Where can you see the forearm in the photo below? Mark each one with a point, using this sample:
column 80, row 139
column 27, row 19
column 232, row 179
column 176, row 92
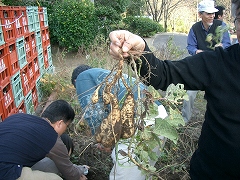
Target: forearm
column 160, row 74
column 156, row 72
column 60, row 157
column 192, row 50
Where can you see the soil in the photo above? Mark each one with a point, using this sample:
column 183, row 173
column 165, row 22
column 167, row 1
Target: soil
column 100, row 162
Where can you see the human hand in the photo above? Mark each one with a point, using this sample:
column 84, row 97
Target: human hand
column 199, row 51
column 123, row 41
column 83, row 177
column 84, row 169
column 219, row 44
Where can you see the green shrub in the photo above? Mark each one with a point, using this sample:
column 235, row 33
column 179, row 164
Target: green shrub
column 73, row 24
column 107, row 17
column 142, row 26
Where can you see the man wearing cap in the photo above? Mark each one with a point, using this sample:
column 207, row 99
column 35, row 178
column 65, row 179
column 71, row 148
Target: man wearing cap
column 197, row 36
column 196, row 43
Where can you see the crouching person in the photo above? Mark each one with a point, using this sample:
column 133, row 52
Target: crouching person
column 26, row 139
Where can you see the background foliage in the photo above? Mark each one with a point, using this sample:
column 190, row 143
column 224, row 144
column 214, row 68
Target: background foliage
column 142, row 26
column 75, row 24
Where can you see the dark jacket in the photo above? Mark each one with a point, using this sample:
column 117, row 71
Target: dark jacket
column 201, row 34
column 24, row 140
column 217, row 73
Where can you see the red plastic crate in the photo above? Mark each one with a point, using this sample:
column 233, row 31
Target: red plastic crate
column 9, row 30
column 4, row 67
column 36, row 69
column 41, row 16
column 31, row 74
column 21, row 108
column 12, row 58
column 45, row 54
column 20, row 16
column 34, row 97
column 30, row 46
column 7, row 100
column 33, row 45
column 2, row 115
column 45, row 37
column 7, row 95
column 15, row 20
column 25, row 80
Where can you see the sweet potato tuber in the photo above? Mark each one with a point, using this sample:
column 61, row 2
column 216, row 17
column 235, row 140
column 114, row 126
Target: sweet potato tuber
column 127, row 117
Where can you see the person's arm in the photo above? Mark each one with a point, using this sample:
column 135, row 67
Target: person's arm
column 195, row 72
column 59, row 155
column 226, row 40
column 192, row 43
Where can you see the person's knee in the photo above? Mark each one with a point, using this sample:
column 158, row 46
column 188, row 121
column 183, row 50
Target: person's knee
column 29, row 174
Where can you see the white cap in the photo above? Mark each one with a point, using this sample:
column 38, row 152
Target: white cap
column 207, row 6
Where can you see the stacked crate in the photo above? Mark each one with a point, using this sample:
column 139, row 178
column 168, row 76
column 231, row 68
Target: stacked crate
column 25, row 56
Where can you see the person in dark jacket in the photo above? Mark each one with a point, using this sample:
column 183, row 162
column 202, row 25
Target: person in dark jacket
column 26, row 139
column 215, row 72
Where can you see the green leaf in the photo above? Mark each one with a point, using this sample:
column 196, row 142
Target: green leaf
column 153, row 155
column 175, row 118
column 146, row 135
column 153, row 111
column 143, row 155
column 154, row 92
column 176, row 93
column 163, row 128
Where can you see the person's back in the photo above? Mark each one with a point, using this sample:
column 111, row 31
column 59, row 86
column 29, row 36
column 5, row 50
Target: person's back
column 23, row 143
column 26, row 139
column 46, row 164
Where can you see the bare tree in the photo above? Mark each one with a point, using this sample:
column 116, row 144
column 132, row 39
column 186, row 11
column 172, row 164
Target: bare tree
column 160, row 10
column 227, row 5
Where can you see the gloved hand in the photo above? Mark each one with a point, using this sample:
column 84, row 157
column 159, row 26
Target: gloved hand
column 84, row 169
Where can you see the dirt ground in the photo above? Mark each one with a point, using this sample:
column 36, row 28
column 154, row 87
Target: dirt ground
column 100, row 162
